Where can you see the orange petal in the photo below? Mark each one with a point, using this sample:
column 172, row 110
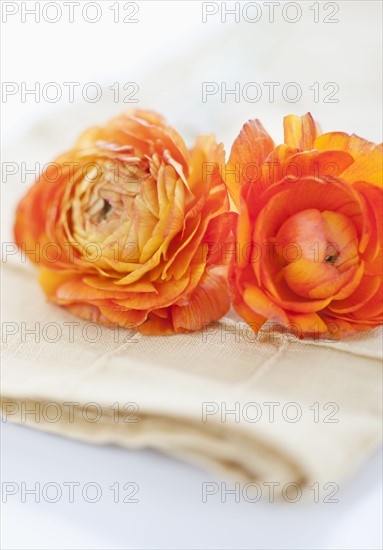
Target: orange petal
column 288, row 198
column 149, row 133
column 307, row 324
column 318, row 164
column 243, row 236
column 254, row 320
column 220, row 239
column 342, row 328
column 342, row 239
column 249, row 150
column 89, row 312
column 158, row 326
column 107, row 284
column 372, row 309
column 75, row 290
column 352, row 281
column 313, row 279
column 263, row 306
column 207, row 303
column 367, row 156
column 300, row 132
column 305, row 231
column 128, row 318
column 374, row 202
column 51, row 280
column 167, row 292
column 282, row 294
column 361, row 295
column 37, row 210
column 276, row 166
column 207, row 160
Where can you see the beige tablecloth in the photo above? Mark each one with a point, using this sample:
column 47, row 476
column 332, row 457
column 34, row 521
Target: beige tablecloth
column 300, row 412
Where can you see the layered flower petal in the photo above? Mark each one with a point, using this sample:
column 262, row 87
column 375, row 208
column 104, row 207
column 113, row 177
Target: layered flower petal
column 248, row 153
column 312, row 231
column 367, row 165
column 134, row 220
column 300, row 132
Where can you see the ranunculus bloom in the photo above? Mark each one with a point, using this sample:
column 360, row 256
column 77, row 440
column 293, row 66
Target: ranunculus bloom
column 125, row 225
column 309, row 232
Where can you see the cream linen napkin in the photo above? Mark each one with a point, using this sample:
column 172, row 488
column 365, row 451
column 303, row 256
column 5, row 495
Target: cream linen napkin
column 176, row 390
column 176, row 393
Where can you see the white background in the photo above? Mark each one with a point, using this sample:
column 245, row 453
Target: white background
column 169, row 53
column 170, row 512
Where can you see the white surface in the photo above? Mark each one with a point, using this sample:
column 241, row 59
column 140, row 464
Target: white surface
column 170, row 512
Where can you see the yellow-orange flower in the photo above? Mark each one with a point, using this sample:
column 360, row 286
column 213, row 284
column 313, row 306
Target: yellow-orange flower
column 124, row 224
column 309, row 231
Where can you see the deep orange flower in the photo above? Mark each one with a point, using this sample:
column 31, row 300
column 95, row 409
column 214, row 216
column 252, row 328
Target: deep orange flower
column 124, row 224
column 309, row 230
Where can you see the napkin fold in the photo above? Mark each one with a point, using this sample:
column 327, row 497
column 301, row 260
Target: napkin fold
column 268, row 408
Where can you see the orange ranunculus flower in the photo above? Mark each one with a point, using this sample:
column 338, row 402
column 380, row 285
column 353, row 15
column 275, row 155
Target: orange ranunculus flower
column 126, row 223
column 309, row 231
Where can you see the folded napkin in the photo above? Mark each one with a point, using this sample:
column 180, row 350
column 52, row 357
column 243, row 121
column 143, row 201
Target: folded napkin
column 267, row 409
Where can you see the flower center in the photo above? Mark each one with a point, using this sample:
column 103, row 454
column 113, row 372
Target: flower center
column 332, row 258
column 100, row 212
column 112, row 208
column 325, row 250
